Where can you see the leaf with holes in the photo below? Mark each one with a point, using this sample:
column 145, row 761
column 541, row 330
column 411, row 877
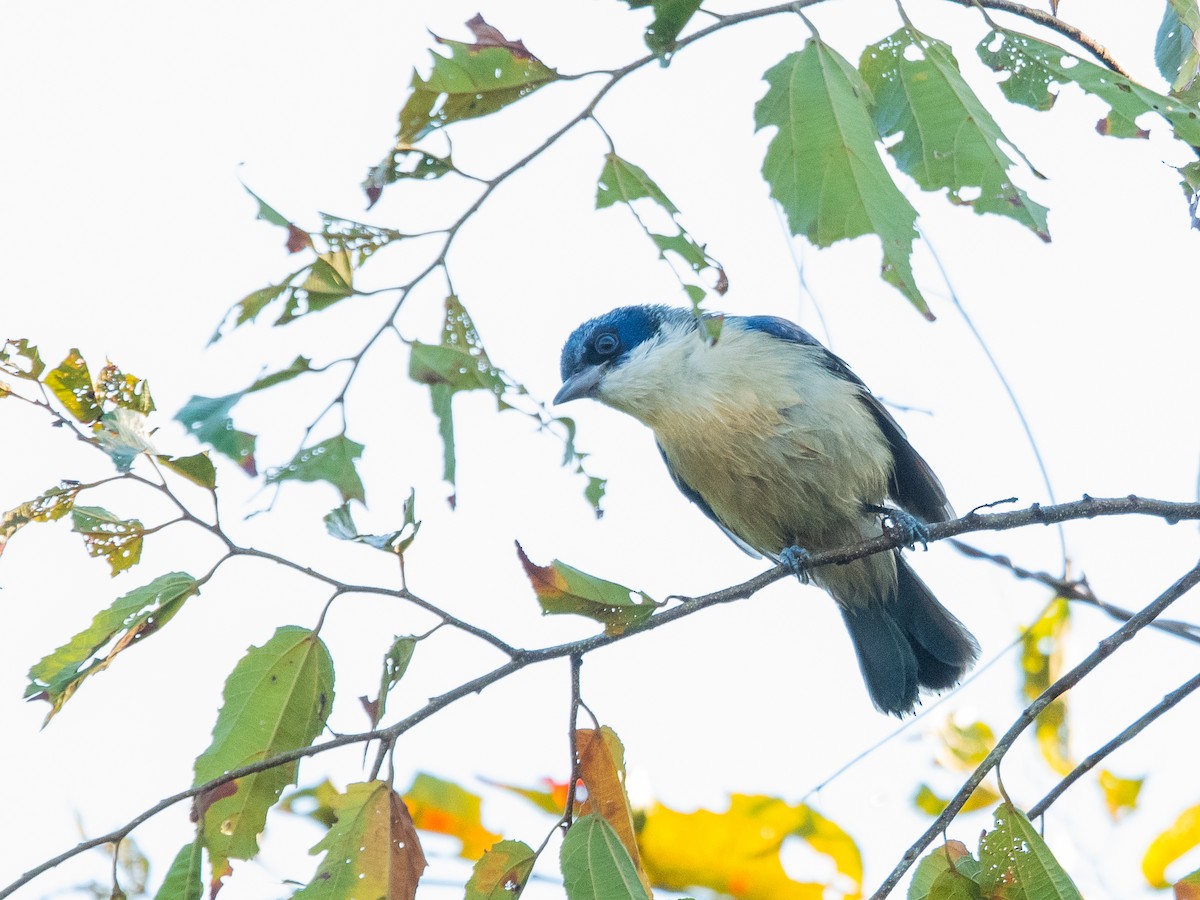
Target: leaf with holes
column 20, row 359
column 501, row 872
column 46, row 507
column 331, row 461
column 71, row 383
column 372, row 850
column 403, row 162
column 1032, row 67
column 1015, row 861
column 358, row 239
column 117, row 389
column 117, row 540
column 670, row 18
column 276, row 699
column 564, row 590
column 131, row 618
column 395, row 664
column 596, row 864
column 823, row 164
column 950, row 141
column 207, row 418
column 1177, row 46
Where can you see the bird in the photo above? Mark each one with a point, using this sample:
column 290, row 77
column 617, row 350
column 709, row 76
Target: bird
column 780, row 444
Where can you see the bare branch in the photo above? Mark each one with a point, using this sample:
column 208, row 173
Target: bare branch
column 1105, row 649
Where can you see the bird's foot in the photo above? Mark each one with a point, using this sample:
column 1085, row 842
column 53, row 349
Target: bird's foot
column 798, row 560
column 903, row 526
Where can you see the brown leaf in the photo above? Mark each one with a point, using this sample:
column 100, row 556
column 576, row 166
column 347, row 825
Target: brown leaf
column 298, row 239
column 602, row 768
column 489, row 36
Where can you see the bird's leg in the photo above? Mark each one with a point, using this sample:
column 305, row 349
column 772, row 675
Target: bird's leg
column 903, row 526
column 798, row 560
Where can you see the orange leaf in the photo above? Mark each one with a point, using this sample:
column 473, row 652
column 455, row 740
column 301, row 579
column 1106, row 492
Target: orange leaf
column 602, row 768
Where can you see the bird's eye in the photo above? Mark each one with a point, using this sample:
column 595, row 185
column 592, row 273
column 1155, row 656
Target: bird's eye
column 606, row 343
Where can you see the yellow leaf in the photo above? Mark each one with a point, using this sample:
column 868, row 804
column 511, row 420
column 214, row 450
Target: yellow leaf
column 602, row 768
column 964, row 746
column 983, row 797
column 1177, row 840
column 1120, row 794
column 737, row 852
column 445, row 808
column 1041, row 663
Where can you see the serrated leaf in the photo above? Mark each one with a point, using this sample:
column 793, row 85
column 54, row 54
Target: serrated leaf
column 131, row 618
column 197, row 468
column 1120, row 794
column 371, row 852
column 1182, row 836
column 331, row 461
column 602, row 767
column 1032, row 66
column 823, row 164
column 207, row 418
column 11, row 356
column 952, row 857
column 117, row 540
column 1015, row 860
column 595, row 864
column 950, row 140
column 71, row 382
column 276, row 699
column 446, row 808
column 46, row 507
column 564, row 590
column 1041, row 666
column 737, row 851
column 670, row 18
column 475, row 80
column 501, row 872
column 395, row 664
column 185, row 878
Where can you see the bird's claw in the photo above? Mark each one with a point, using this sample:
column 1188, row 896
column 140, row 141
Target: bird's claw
column 905, row 527
column 798, row 560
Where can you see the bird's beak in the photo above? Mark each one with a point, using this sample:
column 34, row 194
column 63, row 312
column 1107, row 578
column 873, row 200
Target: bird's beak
column 581, row 384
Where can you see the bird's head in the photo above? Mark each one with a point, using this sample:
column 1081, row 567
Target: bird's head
column 600, row 356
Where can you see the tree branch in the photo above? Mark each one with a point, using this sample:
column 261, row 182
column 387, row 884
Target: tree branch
column 1124, row 737
column 1105, row 649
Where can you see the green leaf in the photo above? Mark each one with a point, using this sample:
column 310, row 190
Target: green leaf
column 823, row 164
column 46, row 507
column 622, row 182
column 1190, row 182
column 131, row 618
column 358, row 239
column 197, row 468
column 117, row 540
column 1175, row 49
column 1032, row 66
column 395, row 664
column 184, row 880
column 316, row 803
column 562, row 589
column 501, row 872
column 340, row 524
column 207, row 418
column 596, row 866
column 71, row 383
column 266, row 212
column 330, row 280
column 123, row 391
column 670, row 18
column 475, row 80
column 276, row 699
column 404, row 161
column 12, row 351
column 331, row 461
column 372, row 850
column 299, row 366
column 953, row 858
column 949, row 140
column 458, row 363
column 1016, row 860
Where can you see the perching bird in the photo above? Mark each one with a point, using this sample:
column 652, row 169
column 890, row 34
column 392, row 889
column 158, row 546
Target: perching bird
column 785, row 448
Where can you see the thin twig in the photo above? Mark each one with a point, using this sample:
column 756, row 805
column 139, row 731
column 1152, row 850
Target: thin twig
column 1105, row 649
column 1124, row 737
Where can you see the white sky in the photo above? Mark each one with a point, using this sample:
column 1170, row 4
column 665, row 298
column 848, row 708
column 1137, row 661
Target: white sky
column 128, row 235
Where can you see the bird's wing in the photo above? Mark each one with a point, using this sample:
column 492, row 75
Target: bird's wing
column 912, row 483
column 688, row 491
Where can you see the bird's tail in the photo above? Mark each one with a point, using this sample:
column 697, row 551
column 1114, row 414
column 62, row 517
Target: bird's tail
column 908, row 643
